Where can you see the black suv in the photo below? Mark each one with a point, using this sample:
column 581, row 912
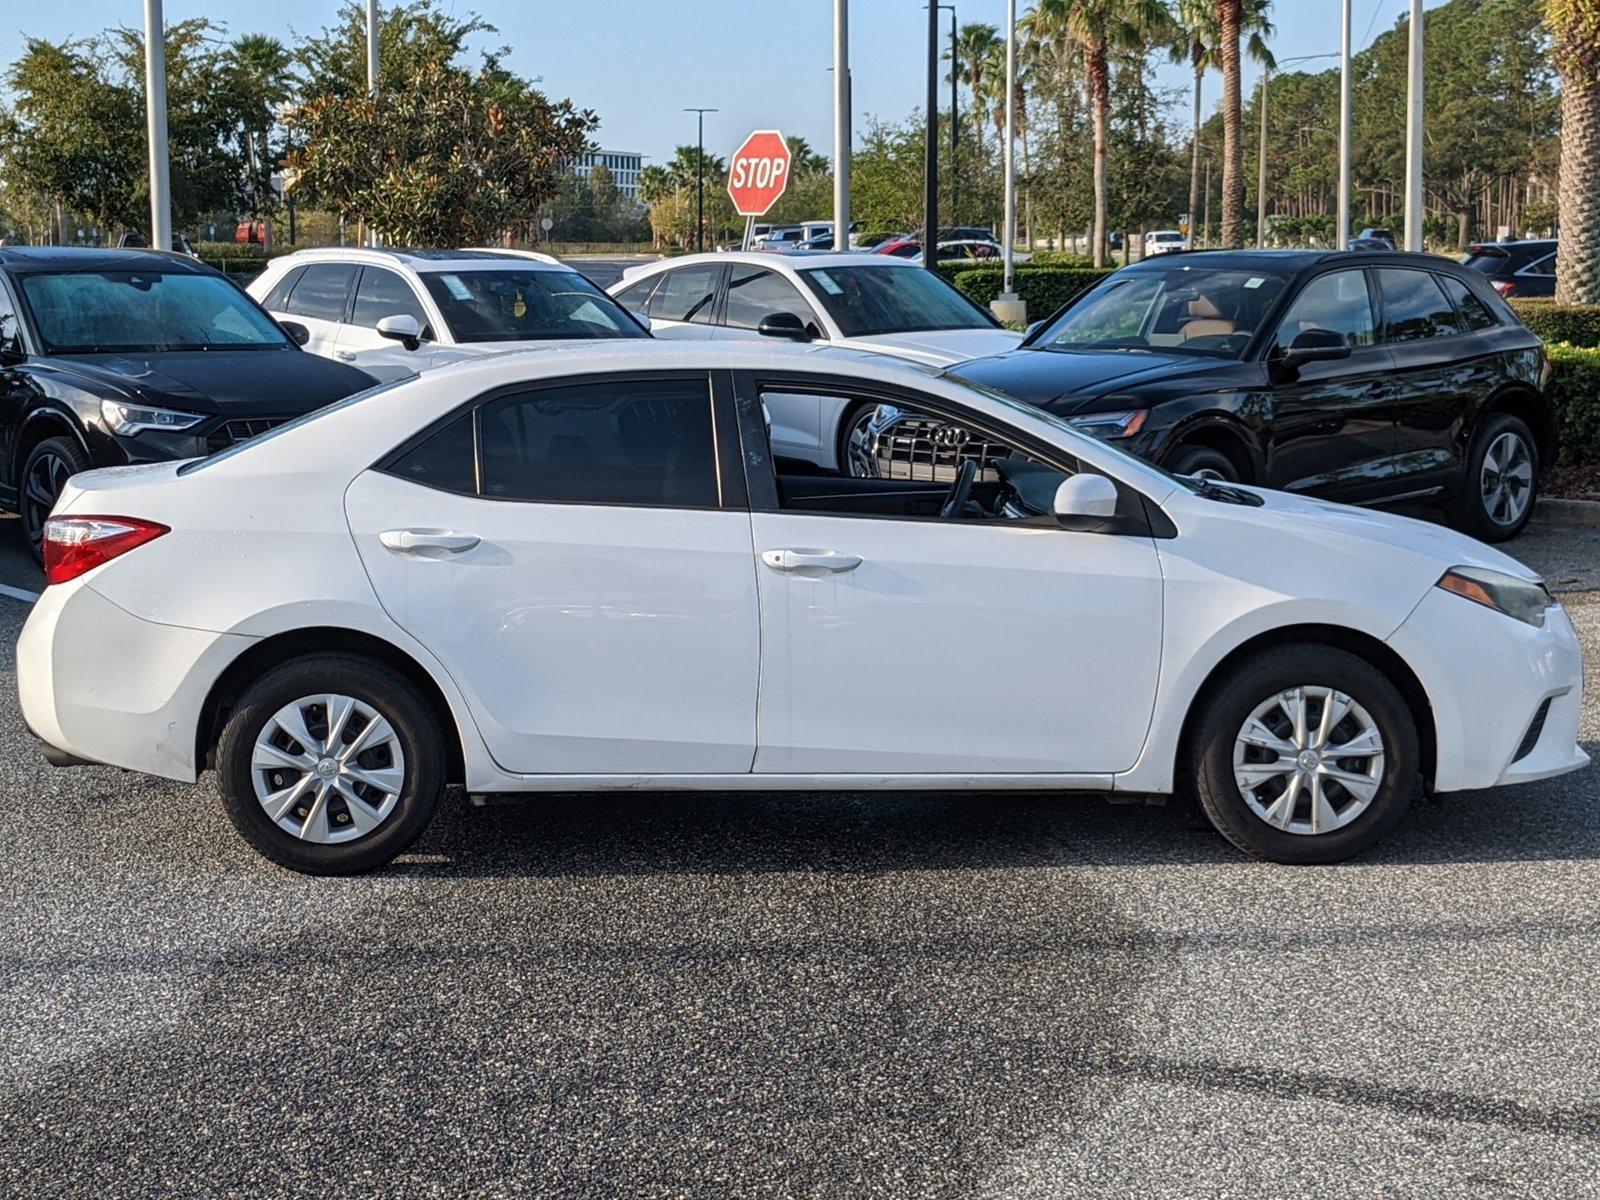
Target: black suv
column 1377, row 378
column 110, row 357
column 1517, row 268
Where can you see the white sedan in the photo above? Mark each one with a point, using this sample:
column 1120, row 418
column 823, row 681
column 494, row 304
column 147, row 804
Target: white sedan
column 580, row 572
column 865, row 302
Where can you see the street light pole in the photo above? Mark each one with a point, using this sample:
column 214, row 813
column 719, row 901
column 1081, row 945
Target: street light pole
column 700, row 176
column 930, row 169
column 955, row 195
column 155, row 104
column 841, row 125
column 1414, row 90
column 1261, row 175
column 1010, row 215
column 1342, row 233
column 372, row 75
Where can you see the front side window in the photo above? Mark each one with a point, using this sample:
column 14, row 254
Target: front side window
column 869, row 300
column 321, row 291
column 755, row 294
column 521, row 305
column 1338, row 302
column 688, row 294
column 88, row 312
column 383, row 294
column 1414, row 307
column 1185, row 309
column 639, row 442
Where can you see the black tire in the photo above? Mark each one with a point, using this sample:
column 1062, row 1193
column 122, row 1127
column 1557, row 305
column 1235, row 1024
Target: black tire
column 1235, row 697
column 1203, row 461
column 1474, row 513
column 842, row 440
column 46, row 469
column 421, row 738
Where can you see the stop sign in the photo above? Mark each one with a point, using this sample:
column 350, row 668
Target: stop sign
column 759, row 172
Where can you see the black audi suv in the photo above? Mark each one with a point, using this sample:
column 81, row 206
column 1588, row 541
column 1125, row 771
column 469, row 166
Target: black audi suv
column 109, row 357
column 1378, row 378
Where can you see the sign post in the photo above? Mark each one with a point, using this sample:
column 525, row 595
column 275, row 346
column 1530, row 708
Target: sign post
column 757, row 176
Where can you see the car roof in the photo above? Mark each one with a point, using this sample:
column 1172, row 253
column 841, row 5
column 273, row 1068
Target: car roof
column 766, row 258
column 1287, row 260
column 422, row 260
column 24, row 260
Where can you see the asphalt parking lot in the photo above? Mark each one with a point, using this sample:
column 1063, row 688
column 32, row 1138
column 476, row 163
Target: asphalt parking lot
column 839, row 995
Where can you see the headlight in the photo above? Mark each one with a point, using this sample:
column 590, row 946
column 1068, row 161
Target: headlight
column 1112, row 424
column 1517, row 598
column 129, row 419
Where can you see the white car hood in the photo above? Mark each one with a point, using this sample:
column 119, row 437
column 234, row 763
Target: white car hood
column 939, row 347
column 1446, row 547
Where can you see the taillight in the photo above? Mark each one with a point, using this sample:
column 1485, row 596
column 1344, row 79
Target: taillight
column 1504, row 286
column 73, row 545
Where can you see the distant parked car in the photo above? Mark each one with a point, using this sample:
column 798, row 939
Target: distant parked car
column 395, row 312
column 1383, row 237
column 1164, row 241
column 1517, row 268
column 1373, row 379
column 860, row 301
column 110, row 357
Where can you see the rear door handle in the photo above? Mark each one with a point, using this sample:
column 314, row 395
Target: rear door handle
column 811, row 562
column 423, row 541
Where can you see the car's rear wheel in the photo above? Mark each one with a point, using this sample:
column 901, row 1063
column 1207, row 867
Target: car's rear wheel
column 1203, row 462
column 1305, row 754
column 331, row 764
column 44, row 473
column 1502, row 480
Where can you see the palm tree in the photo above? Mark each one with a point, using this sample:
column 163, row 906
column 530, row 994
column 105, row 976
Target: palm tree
column 975, row 45
column 1100, row 27
column 258, row 73
column 655, row 183
column 1234, row 18
column 803, row 160
column 1575, row 25
column 1197, row 42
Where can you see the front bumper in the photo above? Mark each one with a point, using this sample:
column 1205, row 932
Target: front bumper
column 100, row 684
column 1486, row 677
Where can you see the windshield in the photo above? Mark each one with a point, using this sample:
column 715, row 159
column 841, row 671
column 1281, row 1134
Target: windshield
column 864, row 301
column 1184, row 309
column 93, row 312
column 512, row 305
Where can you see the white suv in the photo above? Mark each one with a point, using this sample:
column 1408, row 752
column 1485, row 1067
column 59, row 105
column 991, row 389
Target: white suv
column 395, row 312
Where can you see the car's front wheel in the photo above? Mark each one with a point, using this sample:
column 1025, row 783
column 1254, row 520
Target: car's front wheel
column 1305, row 754
column 331, row 764
column 44, row 473
column 1203, row 462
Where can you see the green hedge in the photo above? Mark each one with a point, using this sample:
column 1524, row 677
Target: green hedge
column 1045, row 289
column 1575, row 389
column 1574, row 324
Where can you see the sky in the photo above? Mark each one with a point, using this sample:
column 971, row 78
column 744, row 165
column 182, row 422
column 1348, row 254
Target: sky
column 765, row 64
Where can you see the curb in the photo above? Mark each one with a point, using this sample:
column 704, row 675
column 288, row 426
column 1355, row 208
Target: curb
column 1569, row 514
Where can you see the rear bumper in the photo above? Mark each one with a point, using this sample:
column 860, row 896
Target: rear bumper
column 1486, row 677
column 98, row 684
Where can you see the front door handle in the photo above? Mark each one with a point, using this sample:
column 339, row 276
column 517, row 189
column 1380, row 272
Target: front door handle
column 345, row 355
column 811, row 562
column 426, row 542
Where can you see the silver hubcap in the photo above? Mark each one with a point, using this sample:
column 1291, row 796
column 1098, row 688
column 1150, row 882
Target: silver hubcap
column 858, row 462
column 1507, row 480
column 1308, row 760
column 328, row 768
column 1209, row 474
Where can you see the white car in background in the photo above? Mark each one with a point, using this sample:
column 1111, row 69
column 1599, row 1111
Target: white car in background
column 395, row 312
column 1164, row 241
column 585, row 571
column 866, row 302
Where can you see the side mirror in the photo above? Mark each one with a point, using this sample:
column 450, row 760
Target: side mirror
column 784, row 325
column 403, row 328
column 298, row 333
column 11, row 354
column 1313, row 345
column 1085, row 502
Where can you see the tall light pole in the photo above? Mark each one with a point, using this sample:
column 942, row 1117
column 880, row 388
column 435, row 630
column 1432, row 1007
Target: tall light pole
column 1010, row 211
column 155, row 105
column 1261, row 150
column 372, row 75
column 1342, row 232
column 955, row 196
column 700, row 176
column 930, row 168
column 841, row 124
column 1414, row 198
